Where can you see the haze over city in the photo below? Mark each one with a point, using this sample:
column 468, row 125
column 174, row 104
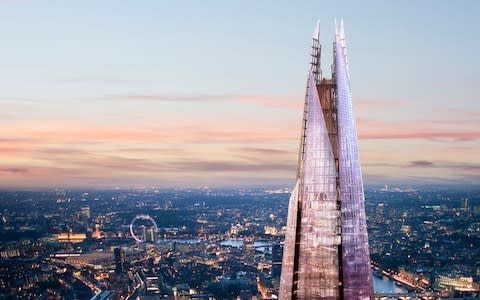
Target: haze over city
column 121, row 94
column 239, row 150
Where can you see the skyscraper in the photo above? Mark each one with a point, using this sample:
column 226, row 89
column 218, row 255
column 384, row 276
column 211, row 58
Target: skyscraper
column 85, row 211
column 152, row 235
column 144, row 233
column 276, row 260
column 326, row 252
column 119, row 255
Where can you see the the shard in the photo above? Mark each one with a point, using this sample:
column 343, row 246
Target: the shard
column 326, row 252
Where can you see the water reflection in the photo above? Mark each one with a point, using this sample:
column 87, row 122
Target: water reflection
column 383, row 284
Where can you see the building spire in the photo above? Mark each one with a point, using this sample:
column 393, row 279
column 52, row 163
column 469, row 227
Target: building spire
column 316, row 33
column 316, row 54
column 342, row 31
column 343, row 43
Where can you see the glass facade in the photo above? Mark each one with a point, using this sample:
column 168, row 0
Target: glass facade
column 357, row 280
column 326, row 245
column 318, row 276
column 286, row 279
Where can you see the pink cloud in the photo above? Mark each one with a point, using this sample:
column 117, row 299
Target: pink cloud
column 382, row 129
column 80, row 133
column 70, row 149
column 263, row 151
column 275, row 101
column 419, row 134
column 459, row 150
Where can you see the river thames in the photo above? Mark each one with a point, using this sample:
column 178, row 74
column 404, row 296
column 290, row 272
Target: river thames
column 383, row 284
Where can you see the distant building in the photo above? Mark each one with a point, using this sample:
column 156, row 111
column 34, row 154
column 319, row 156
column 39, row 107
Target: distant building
column 236, row 229
column 151, row 235
column 95, row 260
column 249, row 248
column 277, row 253
column 459, row 283
column 270, row 230
column 181, row 290
column 405, row 229
column 144, row 233
column 97, row 233
column 151, row 283
column 120, row 260
column 9, row 252
column 476, row 210
column 70, row 237
column 465, row 207
column 85, row 212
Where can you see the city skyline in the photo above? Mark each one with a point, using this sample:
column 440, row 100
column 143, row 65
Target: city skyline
column 120, row 95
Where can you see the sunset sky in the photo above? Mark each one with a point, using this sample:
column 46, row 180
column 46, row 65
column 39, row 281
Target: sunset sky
column 210, row 93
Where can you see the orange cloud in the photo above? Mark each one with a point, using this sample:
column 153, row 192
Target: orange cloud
column 79, row 133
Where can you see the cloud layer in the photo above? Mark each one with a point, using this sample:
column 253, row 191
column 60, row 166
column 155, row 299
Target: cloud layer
column 256, row 138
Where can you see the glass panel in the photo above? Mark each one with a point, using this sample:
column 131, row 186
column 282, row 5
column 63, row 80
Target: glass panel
column 318, row 276
column 318, row 258
column 286, row 278
column 357, row 279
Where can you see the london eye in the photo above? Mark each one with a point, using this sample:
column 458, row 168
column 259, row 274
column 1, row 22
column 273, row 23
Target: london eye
column 142, row 218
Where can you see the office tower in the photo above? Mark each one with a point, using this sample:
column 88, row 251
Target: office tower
column 144, row 233
column 152, row 237
column 276, row 260
column 120, row 260
column 249, row 248
column 465, row 206
column 85, row 212
column 326, row 245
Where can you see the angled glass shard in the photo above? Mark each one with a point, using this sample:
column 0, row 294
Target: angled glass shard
column 357, row 281
column 326, row 245
column 286, row 279
column 318, row 273
column 311, row 245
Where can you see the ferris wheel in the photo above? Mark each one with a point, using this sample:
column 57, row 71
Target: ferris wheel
column 138, row 218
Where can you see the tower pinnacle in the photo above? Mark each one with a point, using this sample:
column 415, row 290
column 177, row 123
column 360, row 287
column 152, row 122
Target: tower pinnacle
column 316, row 54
